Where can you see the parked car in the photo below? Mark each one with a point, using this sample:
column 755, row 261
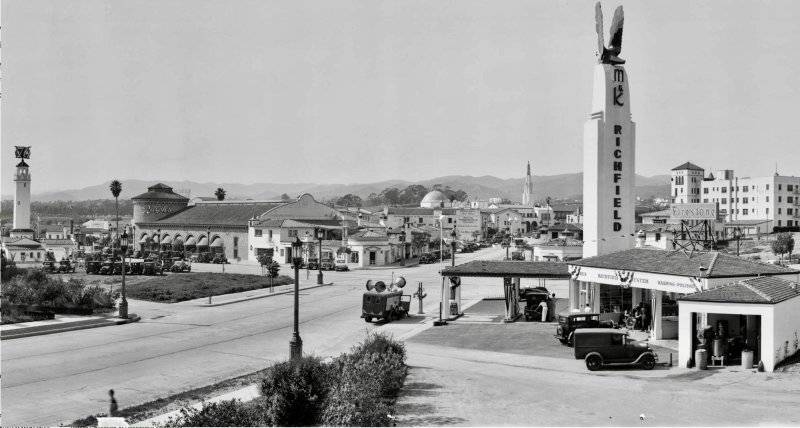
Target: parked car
column 532, row 298
column 327, row 265
column 152, row 267
column 220, row 259
column 426, row 258
column 49, row 266
column 517, row 255
column 341, row 266
column 93, row 266
column 313, row 264
column 66, row 266
column 607, row 346
column 569, row 322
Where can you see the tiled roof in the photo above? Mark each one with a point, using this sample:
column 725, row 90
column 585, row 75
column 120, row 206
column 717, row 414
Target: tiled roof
column 409, row 211
column 515, row 269
column 224, row 214
column 368, row 235
column 745, row 222
column 688, row 165
column 57, row 242
column 714, row 264
column 754, row 290
column 160, row 191
column 325, row 223
column 661, row 213
column 561, row 242
column 21, row 243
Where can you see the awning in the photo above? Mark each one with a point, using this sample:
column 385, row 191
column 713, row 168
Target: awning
column 178, row 241
column 144, row 240
column 191, row 241
column 202, row 242
column 216, row 242
column 167, row 240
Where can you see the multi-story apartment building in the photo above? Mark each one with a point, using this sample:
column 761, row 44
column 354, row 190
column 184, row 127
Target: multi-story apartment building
column 686, row 183
column 774, row 198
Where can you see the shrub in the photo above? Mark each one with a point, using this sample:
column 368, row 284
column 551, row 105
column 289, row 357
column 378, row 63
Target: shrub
column 295, row 391
column 380, row 343
column 231, row 413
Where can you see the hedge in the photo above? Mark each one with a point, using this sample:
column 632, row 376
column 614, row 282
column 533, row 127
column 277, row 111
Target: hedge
column 358, row 388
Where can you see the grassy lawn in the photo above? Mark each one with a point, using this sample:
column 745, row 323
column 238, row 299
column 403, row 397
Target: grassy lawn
column 187, row 286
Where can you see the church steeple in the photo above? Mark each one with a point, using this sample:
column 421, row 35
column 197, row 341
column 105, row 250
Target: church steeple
column 527, row 189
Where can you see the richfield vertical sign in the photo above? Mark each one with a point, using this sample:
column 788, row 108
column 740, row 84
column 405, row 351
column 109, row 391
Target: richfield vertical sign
column 609, row 152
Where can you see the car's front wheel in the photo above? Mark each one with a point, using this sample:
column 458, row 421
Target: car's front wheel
column 648, row 362
column 594, row 362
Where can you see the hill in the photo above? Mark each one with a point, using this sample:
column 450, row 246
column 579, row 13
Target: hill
column 555, row 186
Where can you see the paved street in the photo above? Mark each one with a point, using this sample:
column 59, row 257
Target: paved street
column 457, row 386
column 58, row 378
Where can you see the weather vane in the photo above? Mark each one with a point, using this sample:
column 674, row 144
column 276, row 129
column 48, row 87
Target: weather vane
column 609, row 55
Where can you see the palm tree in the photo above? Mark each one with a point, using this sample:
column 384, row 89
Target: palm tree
column 116, row 189
column 220, row 194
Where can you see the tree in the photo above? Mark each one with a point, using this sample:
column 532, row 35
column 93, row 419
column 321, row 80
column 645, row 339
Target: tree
column 272, row 272
column 374, row 199
column 116, row 189
column 349, row 200
column 783, row 244
column 459, row 195
column 220, row 194
column 412, row 194
column 391, row 195
column 285, row 197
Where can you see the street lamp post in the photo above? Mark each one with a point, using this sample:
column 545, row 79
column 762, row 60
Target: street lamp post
column 296, row 344
column 506, row 245
column 402, row 239
column 123, row 244
column 320, row 232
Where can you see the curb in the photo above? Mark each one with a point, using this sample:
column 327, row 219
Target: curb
column 65, row 328
column 244, row 299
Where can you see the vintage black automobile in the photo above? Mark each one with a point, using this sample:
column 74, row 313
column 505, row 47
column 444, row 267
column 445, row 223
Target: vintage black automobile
column 569, row 322
column 517, row 255
column 49, row 266
column 66, row 266
column 341, row 266
column 533, row 297
column 313, row 264
column 426, row 258
column 607, row 346
column 152, row 267
column 327, row 265
column 93, row 266
column 388, row 305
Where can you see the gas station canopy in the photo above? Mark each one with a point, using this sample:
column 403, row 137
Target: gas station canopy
column 506, row 269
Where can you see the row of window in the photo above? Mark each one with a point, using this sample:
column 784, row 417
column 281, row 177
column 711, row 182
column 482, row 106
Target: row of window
column 789, row 187
column 745, row 200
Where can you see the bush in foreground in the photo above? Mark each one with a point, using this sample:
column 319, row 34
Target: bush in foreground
column 356, row 389
column 231, row 413
column 295, row 391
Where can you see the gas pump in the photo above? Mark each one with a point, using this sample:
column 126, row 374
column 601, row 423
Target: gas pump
column 420, row 294
column 455, row 296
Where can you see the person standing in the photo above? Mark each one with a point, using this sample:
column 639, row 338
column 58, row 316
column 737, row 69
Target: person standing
column 543, row 308
column 587, row 309
column 112, row 405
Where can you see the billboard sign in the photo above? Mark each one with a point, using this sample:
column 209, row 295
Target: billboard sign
column 693, row 212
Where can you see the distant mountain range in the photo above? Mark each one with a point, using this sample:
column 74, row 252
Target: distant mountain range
column 555, row 186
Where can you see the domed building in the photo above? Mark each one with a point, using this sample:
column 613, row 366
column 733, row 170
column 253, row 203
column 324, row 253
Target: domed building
column 435, row 199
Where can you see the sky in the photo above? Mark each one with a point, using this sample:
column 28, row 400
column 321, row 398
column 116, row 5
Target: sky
column 362, row 91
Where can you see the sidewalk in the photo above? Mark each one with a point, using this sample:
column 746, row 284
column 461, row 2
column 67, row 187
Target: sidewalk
column 59, row 324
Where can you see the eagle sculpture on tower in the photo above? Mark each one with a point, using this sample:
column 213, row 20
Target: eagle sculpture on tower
column 609, row 55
